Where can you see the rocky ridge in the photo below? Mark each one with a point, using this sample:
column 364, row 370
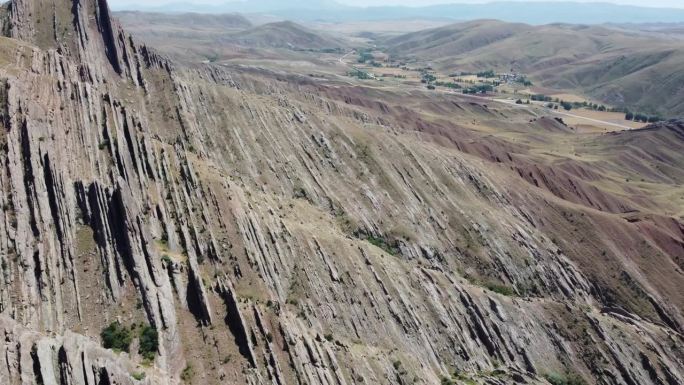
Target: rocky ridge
column 263, row 227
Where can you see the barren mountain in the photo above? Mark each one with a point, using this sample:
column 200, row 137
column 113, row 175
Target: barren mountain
column 168, row 23
column 286, row 34
column 214, row 37
column 620, row 67
column 215, row 224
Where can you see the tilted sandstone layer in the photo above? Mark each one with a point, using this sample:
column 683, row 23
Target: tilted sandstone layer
column 278, row 230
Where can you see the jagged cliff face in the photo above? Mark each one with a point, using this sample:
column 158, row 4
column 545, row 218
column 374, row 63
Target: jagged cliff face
column 278, row 230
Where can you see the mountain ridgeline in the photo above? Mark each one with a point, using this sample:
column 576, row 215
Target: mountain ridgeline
column 167, row 223
column 626, row 69
column 530, row 12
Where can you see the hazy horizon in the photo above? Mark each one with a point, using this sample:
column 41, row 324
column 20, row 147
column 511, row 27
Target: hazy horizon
column 411, row 3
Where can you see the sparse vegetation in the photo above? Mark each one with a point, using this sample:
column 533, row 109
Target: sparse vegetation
column 104, row 144
column 116, row 337
column 388, row 247
column 299, row 193
column 188, row 373
column 500, row 289
column 565, row 379
column 166, row 259
column 139, row 376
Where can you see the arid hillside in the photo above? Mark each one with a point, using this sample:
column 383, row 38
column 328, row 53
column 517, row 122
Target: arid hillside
column 250, row 222
column 626, row 68
column 196, row 37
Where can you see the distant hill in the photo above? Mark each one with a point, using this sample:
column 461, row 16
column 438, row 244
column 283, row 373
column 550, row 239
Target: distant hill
column 623, row 68
column 158, row 20
column 525, row 12
column 286, row 34
column 199, row 37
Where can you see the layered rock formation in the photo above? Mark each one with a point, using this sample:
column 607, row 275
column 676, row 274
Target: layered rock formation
column 279, row 230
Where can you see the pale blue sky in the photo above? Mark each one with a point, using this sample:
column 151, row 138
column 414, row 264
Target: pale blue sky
column 648, row 3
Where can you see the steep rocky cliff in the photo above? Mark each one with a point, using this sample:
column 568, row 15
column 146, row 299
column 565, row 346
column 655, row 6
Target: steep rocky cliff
column 278, row 230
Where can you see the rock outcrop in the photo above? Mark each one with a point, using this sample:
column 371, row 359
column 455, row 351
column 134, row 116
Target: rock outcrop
column 277, row 232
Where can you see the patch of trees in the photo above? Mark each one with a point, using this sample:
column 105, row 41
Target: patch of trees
column 116, row 337
column 567, row 106
column 595, row 107
column 149, row 342
column 524, row 81
column 119, row 337
column 427, row 77
column 356, row 73
column 541, row 98
column 638, row 117
column 486, row 74
column 331, row 50
column 478, row 89
column 365, row 56
column 212, row 58
column 573, row 105
column 448, row 85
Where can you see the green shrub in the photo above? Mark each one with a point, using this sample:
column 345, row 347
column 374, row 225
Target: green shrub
column 187, row 373
column 116, row 337
column 565, row 379
column 391, row 249
column 500, row 289
column 149, row 342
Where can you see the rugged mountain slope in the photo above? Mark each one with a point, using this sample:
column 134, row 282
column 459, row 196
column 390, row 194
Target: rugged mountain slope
column 279, row 229
column 626, row 69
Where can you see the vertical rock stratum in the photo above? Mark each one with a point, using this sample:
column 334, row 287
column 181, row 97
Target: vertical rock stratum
column 278, row 230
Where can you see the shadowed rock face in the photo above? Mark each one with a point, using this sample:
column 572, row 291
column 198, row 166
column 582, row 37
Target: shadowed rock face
column 277, row 230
